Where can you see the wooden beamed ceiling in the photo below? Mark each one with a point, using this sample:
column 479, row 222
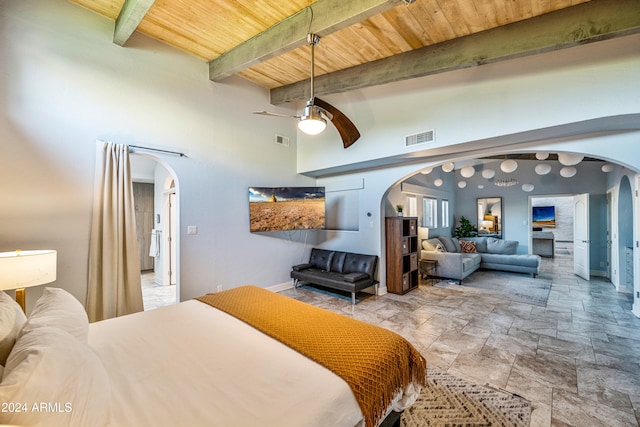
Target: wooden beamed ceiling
column 363, row 42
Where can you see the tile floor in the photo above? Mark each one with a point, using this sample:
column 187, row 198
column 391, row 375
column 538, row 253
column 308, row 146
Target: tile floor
column 577, row 359
column 154, row 295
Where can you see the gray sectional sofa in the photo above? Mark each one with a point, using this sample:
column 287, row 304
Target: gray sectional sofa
column 454, row 262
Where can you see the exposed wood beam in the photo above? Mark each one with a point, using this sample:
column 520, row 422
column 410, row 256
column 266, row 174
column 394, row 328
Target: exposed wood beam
column 132, row 12
column 326, row 16
column 581, row 24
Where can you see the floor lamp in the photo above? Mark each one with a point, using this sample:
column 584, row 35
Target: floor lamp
column 23, row 269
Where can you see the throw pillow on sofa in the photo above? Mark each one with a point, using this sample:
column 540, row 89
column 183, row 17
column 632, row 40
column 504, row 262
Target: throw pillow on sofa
column 451, row 244
column 431, row 245
column 468, row 247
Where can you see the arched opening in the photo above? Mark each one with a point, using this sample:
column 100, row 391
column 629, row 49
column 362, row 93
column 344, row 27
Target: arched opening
column 158, row 237
column 455, row 194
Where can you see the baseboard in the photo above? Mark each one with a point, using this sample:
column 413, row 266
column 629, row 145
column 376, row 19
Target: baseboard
column 636, row 308
column 281, row 287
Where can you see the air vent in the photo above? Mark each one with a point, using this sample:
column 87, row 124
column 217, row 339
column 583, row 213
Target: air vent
column 419, row 138
column 281, row 140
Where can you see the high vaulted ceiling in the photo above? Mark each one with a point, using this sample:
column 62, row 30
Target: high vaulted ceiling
column 363, row 42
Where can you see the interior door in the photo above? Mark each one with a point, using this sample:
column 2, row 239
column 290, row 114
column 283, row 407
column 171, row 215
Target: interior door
column 581, row 242
column 143, row 194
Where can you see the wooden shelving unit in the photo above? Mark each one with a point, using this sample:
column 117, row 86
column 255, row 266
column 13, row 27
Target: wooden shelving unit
column 402, row 254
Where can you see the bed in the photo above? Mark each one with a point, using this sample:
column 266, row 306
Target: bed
column 192, row 364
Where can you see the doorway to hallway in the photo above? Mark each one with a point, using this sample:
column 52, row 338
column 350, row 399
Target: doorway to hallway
column 157, row 218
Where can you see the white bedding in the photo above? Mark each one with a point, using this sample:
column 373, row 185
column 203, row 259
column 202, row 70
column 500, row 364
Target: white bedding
column 192, row 365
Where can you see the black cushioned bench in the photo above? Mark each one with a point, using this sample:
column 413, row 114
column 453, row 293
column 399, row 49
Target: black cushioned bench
column 343, row 271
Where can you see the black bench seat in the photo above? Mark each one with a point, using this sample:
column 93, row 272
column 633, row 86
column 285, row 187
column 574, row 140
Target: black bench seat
column 344, row 271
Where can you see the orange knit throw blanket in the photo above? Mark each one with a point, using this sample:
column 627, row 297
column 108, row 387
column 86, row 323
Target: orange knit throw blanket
column 375, row 362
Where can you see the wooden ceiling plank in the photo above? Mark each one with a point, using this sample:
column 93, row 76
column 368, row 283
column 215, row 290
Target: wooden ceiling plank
column 588, row 22
column 328, row 16
column 131, row 14
column 438, row 27
column 487, row 12
column 411, row 24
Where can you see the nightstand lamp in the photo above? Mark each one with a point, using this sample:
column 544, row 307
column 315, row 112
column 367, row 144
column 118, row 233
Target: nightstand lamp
column 23, row 269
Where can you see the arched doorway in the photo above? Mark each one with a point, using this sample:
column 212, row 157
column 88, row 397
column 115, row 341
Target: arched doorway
column 160, row 284
column 459, row 189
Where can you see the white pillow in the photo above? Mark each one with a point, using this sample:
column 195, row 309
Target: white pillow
column 58, row 308
column 12, row 318
column 49, row 366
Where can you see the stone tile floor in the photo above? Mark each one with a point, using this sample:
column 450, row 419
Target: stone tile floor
column 154, row 295
column 577, row 359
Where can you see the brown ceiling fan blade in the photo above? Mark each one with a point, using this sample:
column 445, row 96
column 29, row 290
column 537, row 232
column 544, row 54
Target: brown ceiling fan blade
column 345, row 127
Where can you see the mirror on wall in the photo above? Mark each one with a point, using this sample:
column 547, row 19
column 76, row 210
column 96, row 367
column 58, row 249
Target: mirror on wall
column 490, row 217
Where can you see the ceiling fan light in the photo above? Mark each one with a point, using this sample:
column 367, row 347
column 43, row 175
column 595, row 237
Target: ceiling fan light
column 312, row 122
column 312, row 126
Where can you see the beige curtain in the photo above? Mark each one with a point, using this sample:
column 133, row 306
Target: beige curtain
column 114, row 287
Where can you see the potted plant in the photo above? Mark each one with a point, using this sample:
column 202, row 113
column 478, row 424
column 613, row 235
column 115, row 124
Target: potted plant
column 466, row 229
column 399, row 209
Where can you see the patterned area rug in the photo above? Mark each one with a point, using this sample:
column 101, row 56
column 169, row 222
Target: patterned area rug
column 448, row 401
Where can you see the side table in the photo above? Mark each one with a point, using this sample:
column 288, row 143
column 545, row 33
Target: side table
column 427, row 268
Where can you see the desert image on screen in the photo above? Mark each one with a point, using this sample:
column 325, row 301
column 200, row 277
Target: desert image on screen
column 286, row 208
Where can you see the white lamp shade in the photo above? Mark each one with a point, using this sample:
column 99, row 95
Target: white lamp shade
column 312, row 126
column 438, row 182
column 508, row 166
column 542, row 155
column 568, row 172
column 467, row 171
column 23, row 269
column 488, row 173
column 568, row 159
column 448, row 167
column 462, row 184
column 527, row 187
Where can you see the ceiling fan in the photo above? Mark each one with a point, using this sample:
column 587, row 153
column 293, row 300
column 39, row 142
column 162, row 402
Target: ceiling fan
column 312, row 120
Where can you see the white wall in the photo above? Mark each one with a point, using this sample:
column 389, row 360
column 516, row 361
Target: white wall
column 64, row 84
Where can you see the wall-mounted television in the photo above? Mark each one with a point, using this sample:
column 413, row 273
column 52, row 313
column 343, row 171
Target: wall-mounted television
column 543, row 216
column 286, row 208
